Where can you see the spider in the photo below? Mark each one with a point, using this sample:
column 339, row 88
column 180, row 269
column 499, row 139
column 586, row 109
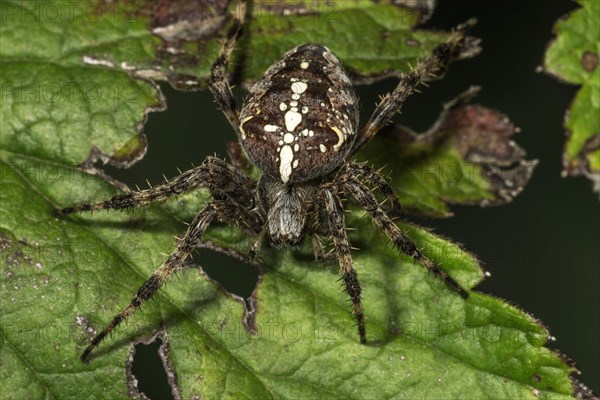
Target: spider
column 299, row 126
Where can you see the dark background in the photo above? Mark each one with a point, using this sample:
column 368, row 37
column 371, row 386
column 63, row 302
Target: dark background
column 542, row 250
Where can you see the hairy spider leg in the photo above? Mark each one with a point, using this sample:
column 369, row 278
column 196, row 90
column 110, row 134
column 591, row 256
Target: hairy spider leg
column 368, row 202
column 221, row 178
column 176, row 259
column 187, row 181
column 218, row 82
column 429, row 68
column 337, row 226
column 235, row 198
column 375, row 178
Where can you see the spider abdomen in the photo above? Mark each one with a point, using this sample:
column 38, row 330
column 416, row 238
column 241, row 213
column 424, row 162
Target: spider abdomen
column 299, row 121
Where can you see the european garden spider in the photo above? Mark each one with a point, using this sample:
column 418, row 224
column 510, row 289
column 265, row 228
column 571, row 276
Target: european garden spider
column 299, row 126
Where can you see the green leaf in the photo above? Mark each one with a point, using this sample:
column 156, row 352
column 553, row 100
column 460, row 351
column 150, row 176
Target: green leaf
column 69, row 100
column 61, row 277
column 335, row 26
column 573, row 58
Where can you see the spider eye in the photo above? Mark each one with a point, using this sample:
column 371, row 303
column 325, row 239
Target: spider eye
column 299, row 121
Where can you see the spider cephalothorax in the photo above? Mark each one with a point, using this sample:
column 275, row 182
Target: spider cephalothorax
column 299, row 126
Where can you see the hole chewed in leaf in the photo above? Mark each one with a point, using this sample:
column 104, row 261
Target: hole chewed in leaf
column 239, row 262
column 234, row 274
column 142, row 379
